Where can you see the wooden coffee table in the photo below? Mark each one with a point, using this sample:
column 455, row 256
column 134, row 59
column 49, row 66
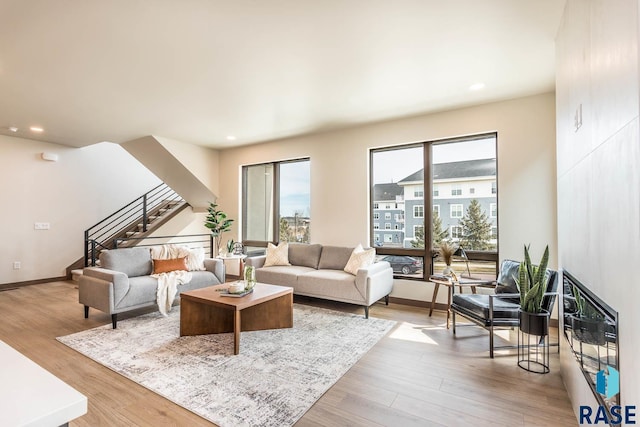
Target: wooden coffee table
column 206, row 311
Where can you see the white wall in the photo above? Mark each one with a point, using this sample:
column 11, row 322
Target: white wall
column 81, row 188
column 598, row 173
column 340, row 175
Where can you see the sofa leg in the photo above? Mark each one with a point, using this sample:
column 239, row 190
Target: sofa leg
column 114, row 320
column 86, row 311
column 386, row 300
column 366, row 312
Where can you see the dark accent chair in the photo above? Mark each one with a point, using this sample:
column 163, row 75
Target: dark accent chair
column 500, row 309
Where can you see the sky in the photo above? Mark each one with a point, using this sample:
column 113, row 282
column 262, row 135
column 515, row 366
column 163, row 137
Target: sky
column 395, row 165
column 295, row 188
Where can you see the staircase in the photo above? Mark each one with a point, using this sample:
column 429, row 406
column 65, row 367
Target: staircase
column 129, row 225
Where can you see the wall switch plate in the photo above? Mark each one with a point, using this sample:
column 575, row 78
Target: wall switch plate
column 17, row 265
column 41, row 226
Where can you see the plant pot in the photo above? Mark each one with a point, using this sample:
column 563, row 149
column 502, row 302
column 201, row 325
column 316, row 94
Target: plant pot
column 589, row 331
column 534, row 323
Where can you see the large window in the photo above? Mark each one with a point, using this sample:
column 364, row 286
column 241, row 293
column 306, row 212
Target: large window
column 276, row 203
column 462, row 174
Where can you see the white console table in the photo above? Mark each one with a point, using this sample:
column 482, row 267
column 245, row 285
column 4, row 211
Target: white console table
column 234, row 265
column 32, row 396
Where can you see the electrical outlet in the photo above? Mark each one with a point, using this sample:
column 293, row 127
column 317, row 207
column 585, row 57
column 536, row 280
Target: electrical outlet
column 17, row 265
column 41, row 226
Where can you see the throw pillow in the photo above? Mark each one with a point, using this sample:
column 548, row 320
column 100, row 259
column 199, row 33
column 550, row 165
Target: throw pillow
column 167, row 265
column 360, row 258
column 277, row 255
column 195, row 259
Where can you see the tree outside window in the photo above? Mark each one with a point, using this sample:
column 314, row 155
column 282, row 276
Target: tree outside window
column 476, row 228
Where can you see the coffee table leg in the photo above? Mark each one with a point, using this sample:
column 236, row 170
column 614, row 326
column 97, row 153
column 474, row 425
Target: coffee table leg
column 236, row 331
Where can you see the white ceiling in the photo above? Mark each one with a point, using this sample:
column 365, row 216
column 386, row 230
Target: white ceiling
column 199, row 70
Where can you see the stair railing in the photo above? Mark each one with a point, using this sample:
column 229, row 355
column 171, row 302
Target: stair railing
column 101, row 235
column 190, row 240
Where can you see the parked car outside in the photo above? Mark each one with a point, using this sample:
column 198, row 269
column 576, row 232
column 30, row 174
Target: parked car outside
column 403, row 264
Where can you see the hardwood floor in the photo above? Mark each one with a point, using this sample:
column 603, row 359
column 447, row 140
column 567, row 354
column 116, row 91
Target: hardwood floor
column 419, row 375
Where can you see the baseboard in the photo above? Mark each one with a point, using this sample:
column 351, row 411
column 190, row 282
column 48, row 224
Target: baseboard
column 7, row 286
column 417, row 303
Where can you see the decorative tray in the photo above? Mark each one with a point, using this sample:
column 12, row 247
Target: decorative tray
column 226, row 293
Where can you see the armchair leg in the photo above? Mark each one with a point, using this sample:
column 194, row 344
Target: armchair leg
column 491, row 341
column 453, row 315
column 86, row 311
column 114, row 320
column 366, row 312
column 386, row 300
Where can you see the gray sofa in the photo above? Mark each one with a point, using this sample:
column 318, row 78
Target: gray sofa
column 123, row 283
column 318, row 271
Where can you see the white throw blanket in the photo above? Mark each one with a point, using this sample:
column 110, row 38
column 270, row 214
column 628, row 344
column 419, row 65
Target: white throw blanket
column 168, row 282
column 168, row 288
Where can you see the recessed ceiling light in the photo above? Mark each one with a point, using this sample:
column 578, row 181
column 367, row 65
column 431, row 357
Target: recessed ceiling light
column 476, row 86
column 36, row 129
column 13, row 129
column 231, row 138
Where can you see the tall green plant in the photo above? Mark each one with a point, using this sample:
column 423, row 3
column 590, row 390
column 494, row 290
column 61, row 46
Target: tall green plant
column 532, row 282
column 218, row 223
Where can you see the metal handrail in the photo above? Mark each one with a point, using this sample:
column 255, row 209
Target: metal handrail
column 171, row 239
column 102, row 234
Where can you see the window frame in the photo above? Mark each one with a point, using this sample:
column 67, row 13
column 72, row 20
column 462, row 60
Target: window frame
column 275, row 201
column 414, row 211
column 451, row 206
column 431, row 192
column 492, row 213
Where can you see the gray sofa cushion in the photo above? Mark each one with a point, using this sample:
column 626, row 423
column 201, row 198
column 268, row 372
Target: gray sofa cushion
column 199, row 279
column 142, row 290
column 334, row 257
column 133, row 262
column 329, row 283
column 304, row 254
column 283, row 275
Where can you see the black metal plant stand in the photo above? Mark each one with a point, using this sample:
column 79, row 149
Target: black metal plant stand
column 533, row 342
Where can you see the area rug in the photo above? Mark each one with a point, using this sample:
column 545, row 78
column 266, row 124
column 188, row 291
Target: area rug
column 275, row 379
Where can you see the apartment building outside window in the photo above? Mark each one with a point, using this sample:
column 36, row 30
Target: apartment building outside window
column 456, row 190
column 418, row 211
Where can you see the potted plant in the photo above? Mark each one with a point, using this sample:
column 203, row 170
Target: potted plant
column 587, row 324
column 532, row 283
column 446, row 249
column 218, row 223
